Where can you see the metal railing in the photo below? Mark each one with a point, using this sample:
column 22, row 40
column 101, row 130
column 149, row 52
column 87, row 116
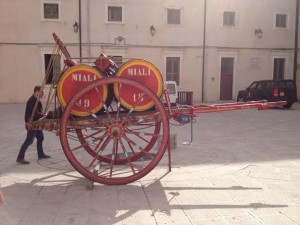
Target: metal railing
column 185, row 97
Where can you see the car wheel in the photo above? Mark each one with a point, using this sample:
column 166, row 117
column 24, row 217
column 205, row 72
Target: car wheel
column 240, row 99
column 288, row 105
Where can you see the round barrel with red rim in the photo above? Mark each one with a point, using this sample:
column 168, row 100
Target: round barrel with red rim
column 143, row 72
column 72, row 81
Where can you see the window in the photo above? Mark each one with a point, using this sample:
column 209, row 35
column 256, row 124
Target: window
column 278, row 70
column 173, row 16
column 229, row 18
column 171, row 88
column 227, row 65
column 281, row 20
column 281, row 85
column 261, row 86
column 114, row 13
column 54, row 69
column 51, row 11
column 173, row 69
column 270, row 85
column 290, row 85
column 115, row 54
column 253, row 85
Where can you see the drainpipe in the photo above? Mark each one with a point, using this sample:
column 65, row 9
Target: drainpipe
column 203, row 51
column 80, row 43
column 296, row 41
column 88, row 27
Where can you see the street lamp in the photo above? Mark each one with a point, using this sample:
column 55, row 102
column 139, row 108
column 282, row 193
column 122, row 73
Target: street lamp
column 258, row 33
column 76, row 27
column 152, row 30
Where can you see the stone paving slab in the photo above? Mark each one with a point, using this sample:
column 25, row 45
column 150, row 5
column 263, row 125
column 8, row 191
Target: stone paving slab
column 241, row 168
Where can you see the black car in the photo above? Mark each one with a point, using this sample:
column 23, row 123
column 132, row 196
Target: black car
column 270, row 90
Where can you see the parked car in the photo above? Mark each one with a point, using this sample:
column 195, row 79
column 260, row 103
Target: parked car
column 270, row 90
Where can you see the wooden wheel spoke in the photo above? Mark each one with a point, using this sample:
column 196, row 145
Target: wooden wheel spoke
column 97, row 151
column 127, row 156
column 132, row 108
column 143, row 126
column 118, row 111
column 127, row 116
column 129, row 131
column 72, row 136
column 93, row 134
column 100, row 150
column 78, row 147
column 113, row 156
column 137, row 146
column 87, row 143
column 105, row 143
column 107, row 112
column 139, row 135
column 131, row 147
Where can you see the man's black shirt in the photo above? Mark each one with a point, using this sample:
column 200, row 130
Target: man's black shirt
column 29, row 108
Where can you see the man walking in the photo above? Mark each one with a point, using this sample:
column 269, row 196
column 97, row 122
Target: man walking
column 31, row 134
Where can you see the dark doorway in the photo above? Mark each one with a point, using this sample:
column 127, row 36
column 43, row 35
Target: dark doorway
column 278, row 70
column 173, row 69
column 55, row 70
column 226, row 78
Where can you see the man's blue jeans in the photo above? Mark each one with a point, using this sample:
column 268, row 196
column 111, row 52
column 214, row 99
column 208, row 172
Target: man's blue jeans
column 31, row 134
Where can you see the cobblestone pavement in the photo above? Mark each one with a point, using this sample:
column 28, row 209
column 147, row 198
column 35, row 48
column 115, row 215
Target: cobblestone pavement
column 243, row 167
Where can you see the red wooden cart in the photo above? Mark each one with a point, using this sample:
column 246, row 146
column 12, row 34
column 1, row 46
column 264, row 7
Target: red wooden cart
column 109, row 118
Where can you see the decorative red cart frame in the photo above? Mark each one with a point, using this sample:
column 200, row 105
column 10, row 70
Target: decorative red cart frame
column 106, row 131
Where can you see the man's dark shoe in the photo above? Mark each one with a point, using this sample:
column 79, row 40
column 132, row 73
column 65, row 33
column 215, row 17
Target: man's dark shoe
column 22, row 161
column 44, row 156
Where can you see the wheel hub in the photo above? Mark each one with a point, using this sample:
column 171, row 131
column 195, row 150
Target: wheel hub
column 116, row 131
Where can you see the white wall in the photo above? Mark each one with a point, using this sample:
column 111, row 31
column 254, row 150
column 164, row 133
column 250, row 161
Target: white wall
column 25, row 36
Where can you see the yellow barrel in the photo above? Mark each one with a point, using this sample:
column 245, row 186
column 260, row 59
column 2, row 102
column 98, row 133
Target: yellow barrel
column 143, row 72
column 75, row 79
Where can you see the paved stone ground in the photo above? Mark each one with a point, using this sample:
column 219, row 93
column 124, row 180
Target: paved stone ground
column 241, row 168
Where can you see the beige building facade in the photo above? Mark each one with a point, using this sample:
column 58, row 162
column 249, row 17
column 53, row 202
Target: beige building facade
column 211, row 47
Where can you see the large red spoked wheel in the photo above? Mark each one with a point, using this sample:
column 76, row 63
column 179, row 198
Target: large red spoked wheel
column 114, row 148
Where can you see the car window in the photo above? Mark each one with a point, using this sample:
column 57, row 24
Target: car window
column 290, row 85
column 260, row 86
column 281, row 85
column 253, row 85
column 171, row 88
column 270, row 85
